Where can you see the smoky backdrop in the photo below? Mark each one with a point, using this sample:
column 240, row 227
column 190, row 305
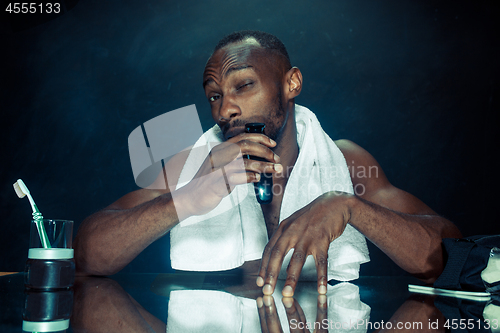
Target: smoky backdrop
column 413, row 82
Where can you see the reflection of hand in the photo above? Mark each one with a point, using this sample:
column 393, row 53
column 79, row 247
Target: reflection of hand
column 309, row 231
column 270, row 322
column 268, row 315
column 224, row 168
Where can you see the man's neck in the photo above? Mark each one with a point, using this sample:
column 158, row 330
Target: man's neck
column 287, row 148
column 288, row 151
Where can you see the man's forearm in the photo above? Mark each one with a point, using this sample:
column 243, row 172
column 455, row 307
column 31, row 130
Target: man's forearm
column 413, row 242
column 108, row 240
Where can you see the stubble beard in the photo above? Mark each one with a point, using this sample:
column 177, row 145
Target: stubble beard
column 274, row 129
column 275, row 121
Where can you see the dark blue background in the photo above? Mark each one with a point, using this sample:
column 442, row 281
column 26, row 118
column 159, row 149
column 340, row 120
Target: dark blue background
column 413, row 82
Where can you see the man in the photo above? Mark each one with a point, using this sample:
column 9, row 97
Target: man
column 249, row 78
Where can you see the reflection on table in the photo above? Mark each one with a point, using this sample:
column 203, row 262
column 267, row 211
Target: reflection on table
column 205, row 302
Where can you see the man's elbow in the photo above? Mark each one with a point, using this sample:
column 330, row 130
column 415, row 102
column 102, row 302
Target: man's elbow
column 89, row 261
column 431, row 266
column 429, row 270
column 451, row 231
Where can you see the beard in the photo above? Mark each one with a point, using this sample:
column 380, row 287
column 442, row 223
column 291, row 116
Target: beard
column 274, row 117
column 277, row 119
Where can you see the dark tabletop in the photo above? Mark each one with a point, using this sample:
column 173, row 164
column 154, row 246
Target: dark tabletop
column 218, row 302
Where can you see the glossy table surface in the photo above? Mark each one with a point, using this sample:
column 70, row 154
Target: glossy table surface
column 217, row 302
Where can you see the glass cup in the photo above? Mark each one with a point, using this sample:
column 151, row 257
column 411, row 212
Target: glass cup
column 50, row 262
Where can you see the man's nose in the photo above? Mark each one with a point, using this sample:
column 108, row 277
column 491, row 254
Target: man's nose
column 228, row 110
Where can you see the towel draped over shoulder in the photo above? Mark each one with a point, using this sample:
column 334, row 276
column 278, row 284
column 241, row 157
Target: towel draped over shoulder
column 235, row 231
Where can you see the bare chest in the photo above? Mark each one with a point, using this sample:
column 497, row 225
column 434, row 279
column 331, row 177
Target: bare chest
column 272, row 215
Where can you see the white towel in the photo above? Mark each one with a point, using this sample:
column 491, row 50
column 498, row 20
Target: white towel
column 235, row 231
column 216, row 311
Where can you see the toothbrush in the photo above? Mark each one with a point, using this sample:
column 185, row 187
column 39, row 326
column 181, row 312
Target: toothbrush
column 22, row 191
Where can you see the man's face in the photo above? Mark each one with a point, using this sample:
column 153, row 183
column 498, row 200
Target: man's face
column 242, row 83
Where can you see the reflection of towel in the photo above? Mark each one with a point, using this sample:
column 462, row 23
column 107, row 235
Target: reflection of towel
column 210, row 311
column 346, row 312
column 216, row 311
column 235, row 232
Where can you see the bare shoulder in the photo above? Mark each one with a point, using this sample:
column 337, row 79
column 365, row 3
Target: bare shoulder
column 371, row 183
column 354, row 152
column 363, row 167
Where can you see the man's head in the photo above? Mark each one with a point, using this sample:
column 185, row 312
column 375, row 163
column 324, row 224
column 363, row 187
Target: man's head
column 249, row 78
column 267, row 41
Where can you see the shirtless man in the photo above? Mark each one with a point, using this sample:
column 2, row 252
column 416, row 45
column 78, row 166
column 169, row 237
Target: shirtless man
column 249, row 81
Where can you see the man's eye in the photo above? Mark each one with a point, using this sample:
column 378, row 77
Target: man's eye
column 213, row 98
column 245, row 85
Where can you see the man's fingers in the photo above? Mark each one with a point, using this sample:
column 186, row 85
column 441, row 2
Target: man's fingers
column 293, row 271
column 237, row 178
column 224, row 154
column 266, row 256
column 262, row 279
column 262, row 167
column 229, row 157
column 227, row 153
column 276, row 257
column 321, row 260
column 256, row 145
column 269, row 253
column 254, row 137
column 263, row 266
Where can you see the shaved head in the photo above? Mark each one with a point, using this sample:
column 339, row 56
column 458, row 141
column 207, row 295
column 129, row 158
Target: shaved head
column 273, row 46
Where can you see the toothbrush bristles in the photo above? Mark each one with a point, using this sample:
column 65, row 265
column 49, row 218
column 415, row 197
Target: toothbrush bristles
column 20, row 193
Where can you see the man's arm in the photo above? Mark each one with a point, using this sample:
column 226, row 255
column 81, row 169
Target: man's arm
column 401, row 225
column 109, row 239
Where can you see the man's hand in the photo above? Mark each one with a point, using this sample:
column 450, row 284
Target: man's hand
column 309, row 231
column 223, row 169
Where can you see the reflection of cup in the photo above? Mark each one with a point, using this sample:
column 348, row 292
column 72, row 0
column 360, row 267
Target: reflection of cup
column 50, row 267
column 47, row 311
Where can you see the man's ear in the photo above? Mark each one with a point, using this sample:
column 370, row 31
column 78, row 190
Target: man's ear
column 293, row 84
